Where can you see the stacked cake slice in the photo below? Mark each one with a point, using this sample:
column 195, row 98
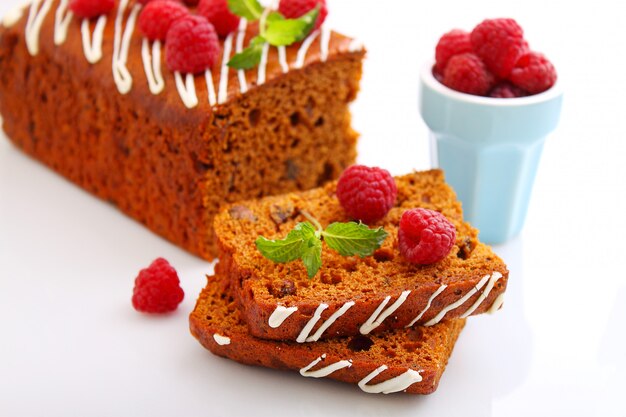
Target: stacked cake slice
column 380, row 321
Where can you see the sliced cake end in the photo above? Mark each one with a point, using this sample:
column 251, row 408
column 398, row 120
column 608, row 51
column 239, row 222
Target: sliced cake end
column 411, row 360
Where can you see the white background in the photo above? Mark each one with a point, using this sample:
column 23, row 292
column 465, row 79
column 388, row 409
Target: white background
column 71, row 344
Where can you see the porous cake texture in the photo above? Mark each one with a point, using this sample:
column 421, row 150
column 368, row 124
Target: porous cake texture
column 166, row 161
column 410, row 360
column 352, row 295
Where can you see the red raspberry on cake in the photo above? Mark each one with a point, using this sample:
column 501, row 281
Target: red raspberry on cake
column 157, row 17
column 365, row 193
column 533, row 73
column 157, row 288
column 455, row 42
column 499, row 43
column 88, row 9
column 192, row 45
column 468, row 74
column 144, row 2
column 218, row 13
column 425, row 236
column 293, row 9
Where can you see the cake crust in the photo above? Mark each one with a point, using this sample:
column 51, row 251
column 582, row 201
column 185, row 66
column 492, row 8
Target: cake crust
column 410, row 361
column 351, row 296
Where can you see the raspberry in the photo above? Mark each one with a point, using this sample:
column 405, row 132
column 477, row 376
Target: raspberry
column 88, row 9
column 293, row 9
column 425, row 236
column 192, row 45
column 506, row 90
column 158, row 16
column 157, row 288
column 452, row 43
column 365, row 193
column 218, row 13
column 144, row 2
column 534, row 73
column 191, row 2
column 500, row 43
column 467, row 73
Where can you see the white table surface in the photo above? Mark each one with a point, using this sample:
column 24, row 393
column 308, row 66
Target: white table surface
column 71, row 344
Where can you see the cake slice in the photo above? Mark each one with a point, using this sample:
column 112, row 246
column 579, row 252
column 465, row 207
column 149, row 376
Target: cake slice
column 410, row 360
column 167, row 148
column 350, row 295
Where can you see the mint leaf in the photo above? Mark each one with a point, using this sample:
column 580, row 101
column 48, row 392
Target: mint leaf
column 282, row 32
column 274, row 16
column 250, row 10
column 309, row 18
column 354, row 238
column 307, row 230
column 249, row 57
column 312, row 257
column 286, row 250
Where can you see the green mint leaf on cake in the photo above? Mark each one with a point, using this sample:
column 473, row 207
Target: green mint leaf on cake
column 282, row 32
column 250, row 10
column 290, row 248
column 305, row 242
column 352, row 238
column 312, row 257
column 249, row 57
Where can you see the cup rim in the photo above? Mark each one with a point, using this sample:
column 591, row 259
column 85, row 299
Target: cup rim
column 429, row 79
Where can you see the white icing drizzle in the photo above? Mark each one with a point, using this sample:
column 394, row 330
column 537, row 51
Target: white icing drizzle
column 121, row 46
column 484, row 294
column 304, row 48
column 14, row 15
column 221, row 340
column 36, row 17
column 325, row 371
column 355, row 45
column 152, row 65
column 379, row 316
column 497, row 303
column 187, row 89
column 430, row 300
column 282, row 59
column 279, row 315
column 93, row 47
column 457, row 303
column 324, row 44
column 260, row 79
column 208, row 76
column 223, row 87
column 62, row 20
column 241, row 74
column 398, row 383
column 304, row 334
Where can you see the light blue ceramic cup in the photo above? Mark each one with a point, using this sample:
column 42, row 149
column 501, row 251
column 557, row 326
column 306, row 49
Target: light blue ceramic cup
column 489, row 149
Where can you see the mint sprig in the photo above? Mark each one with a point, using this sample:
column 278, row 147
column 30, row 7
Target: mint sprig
column 273, row 29
column 352, row 238
column 248, row 9
column 305, row 242
column 249, row 57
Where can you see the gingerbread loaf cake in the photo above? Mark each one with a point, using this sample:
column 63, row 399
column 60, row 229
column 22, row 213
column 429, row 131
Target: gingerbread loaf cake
column 352, row 295
column 94, row 101
column 409, row 360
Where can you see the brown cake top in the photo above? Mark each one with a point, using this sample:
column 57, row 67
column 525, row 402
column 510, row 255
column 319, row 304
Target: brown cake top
column 348, row 278
column 114, row 53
